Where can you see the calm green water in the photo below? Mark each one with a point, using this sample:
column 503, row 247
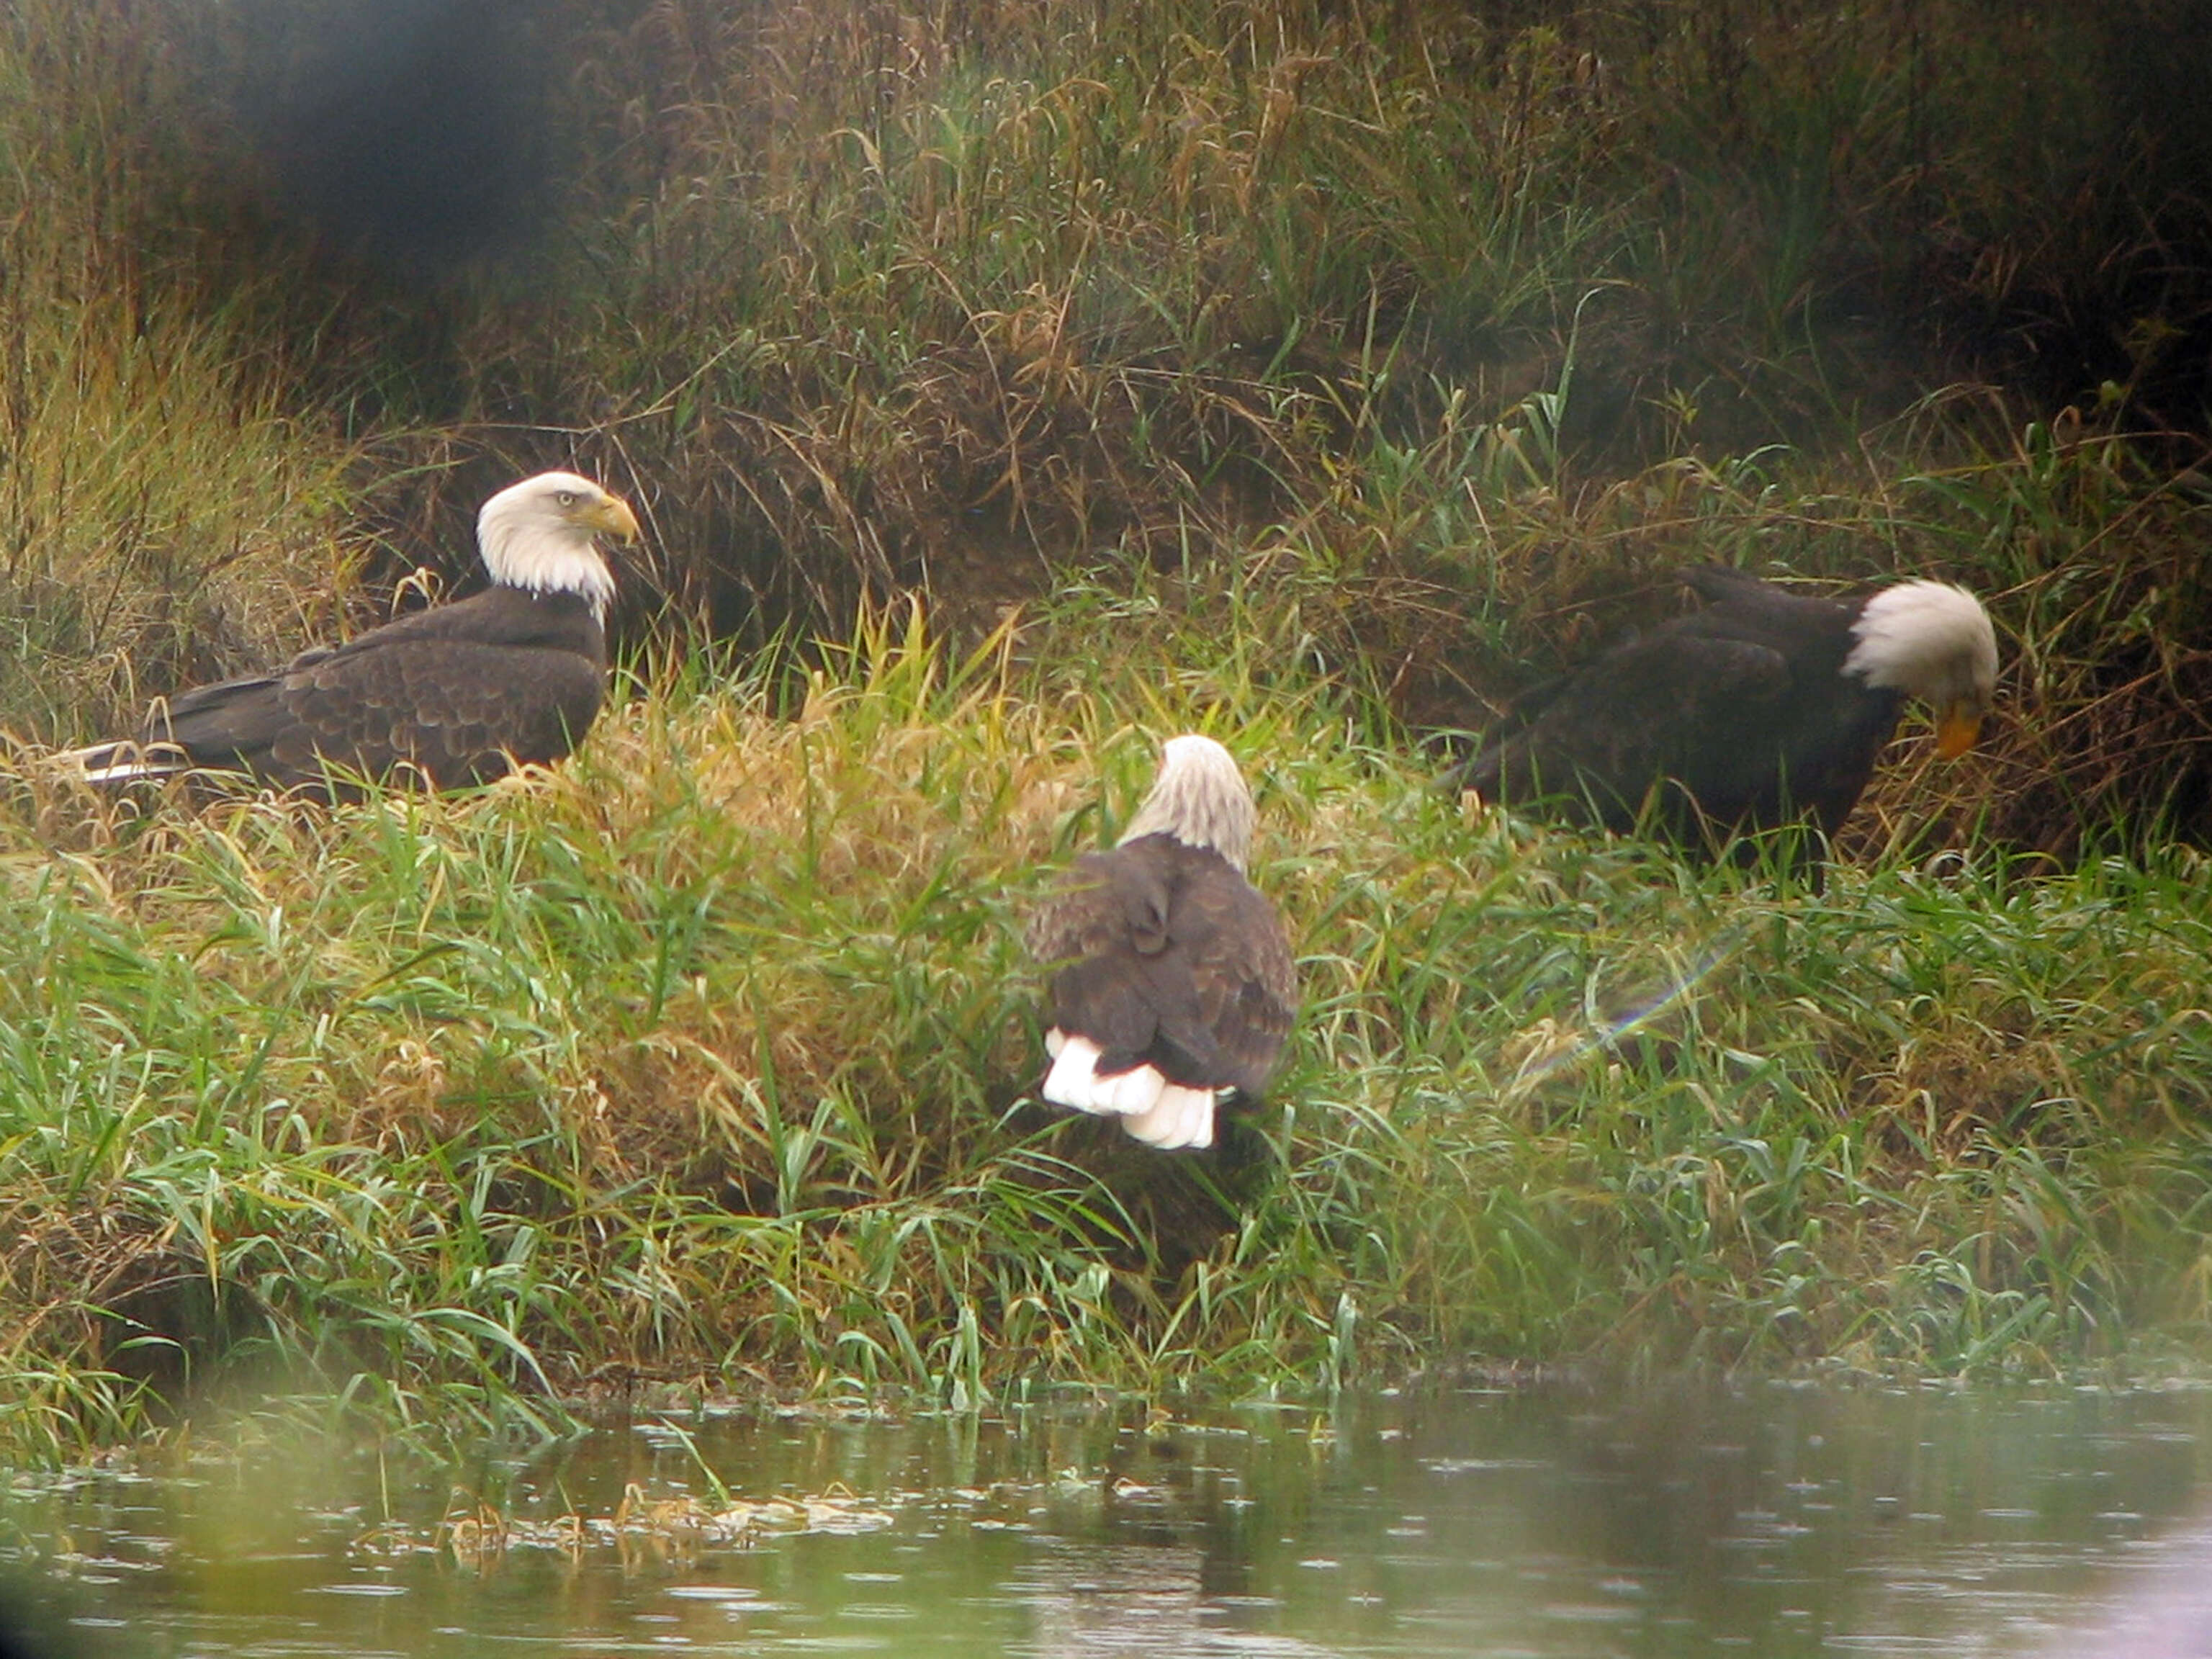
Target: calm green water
column 1766, row 1520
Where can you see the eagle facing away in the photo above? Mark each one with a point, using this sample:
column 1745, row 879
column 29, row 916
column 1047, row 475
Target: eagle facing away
column 1763, row 707
column 1172, row 979
column 454, row 696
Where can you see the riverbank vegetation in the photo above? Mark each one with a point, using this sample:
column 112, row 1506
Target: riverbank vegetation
column 1003, row 393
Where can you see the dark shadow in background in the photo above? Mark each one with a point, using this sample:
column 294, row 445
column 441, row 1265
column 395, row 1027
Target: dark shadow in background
column 419, row 134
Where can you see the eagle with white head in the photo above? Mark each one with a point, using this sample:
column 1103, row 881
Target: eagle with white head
column 454, row 696
column 1173, row 983
column 1763, row 707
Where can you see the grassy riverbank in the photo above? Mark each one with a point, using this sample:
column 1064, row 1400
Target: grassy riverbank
column 697, row 1064
column 1314, row 376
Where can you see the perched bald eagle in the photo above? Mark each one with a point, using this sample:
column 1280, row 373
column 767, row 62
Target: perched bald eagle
column 1173, row 981
column 1766, row 707
column 456, row 695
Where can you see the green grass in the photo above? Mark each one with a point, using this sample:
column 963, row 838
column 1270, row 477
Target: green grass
column 696, row 1064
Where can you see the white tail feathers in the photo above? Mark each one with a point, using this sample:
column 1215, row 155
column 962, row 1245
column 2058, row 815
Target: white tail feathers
column 1074, row 1081
column 126, row 762
column 1155, row 1111
column 1182, row 1117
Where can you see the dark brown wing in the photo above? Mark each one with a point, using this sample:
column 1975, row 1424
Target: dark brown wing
column 455, row 695
column 461, row 714
column 1738, row 716
column 1167, row 956
column 1637, row 714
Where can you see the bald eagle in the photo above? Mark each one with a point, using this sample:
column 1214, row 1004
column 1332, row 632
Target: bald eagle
column 1766, row 707
column 1173, row 980
column 456, row 695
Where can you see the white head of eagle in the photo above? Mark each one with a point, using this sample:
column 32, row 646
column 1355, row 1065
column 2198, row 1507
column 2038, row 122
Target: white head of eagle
column 1931, row 640
column 1199, row 799
column 541, row 535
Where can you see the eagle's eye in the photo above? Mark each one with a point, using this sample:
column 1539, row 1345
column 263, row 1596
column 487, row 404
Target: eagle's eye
column 565, row 497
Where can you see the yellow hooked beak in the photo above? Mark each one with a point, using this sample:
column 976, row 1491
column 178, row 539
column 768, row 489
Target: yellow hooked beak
column 611, row 516
column 1957, row 727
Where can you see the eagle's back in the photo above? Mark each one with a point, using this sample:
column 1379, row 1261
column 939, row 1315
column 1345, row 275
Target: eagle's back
column 1735, row 716
column 1168, row 957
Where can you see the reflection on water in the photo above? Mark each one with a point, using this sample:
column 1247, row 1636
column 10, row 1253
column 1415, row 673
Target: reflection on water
column 1767, row 1521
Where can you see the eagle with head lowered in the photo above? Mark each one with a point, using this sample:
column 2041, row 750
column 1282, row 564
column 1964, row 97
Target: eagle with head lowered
column 456, row 695
column 1764, row 708
column 1173, row 981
